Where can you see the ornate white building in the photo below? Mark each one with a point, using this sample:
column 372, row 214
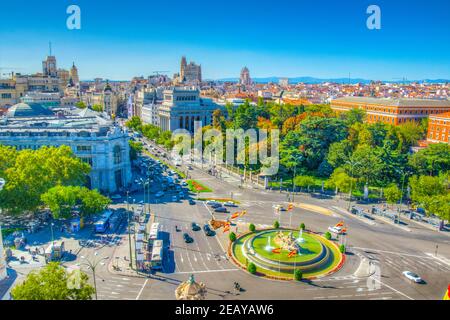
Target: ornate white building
column 181, row 107
column 93, row 138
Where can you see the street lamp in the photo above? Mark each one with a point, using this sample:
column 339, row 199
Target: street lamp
column 93, row 265
column 298, row 159
column 352, row 164
column 129, row 232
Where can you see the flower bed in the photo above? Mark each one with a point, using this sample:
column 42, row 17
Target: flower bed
column 196, row 186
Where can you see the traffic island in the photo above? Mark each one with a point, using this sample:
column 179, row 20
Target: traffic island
column 278, row 253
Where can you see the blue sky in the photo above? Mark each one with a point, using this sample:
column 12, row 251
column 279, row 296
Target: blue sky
column 322, row 38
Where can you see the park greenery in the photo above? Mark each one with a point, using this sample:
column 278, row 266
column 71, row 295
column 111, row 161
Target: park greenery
column 151, row 132
column 340, row 152
column 51, row 177
column 53, row 282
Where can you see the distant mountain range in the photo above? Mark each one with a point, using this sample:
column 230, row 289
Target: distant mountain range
column 312, row 80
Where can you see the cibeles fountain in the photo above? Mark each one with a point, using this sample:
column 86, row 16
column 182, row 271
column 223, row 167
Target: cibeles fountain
column 278, row 252
column 286, row 241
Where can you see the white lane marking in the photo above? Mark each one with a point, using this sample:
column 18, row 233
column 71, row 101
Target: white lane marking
column 142, row 289
column 393, row 289
column 392, row 252
column 205, row 271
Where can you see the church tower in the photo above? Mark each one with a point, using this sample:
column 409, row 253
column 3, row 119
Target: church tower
column 74, row 74
column 183, row 68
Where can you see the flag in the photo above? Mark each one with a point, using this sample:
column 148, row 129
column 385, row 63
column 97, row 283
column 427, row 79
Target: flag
column 292, row 253
column 235, row 215
column 447, row 294
column 243, row 212
column 276, row 250
column 344, row 230
column 290, row 207
column 340, row 224
column 226, row 228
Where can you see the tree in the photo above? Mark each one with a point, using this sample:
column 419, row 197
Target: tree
column 302, row 226
column 304, row 181
column 91, row 201
column 354, row 115
column 252, row 227
column 424, row 187
column 135, row 123
column 232, row 236
column 327, row 235
column 80, row 105
column 340, row 180
column 393, row 194
column 136, row 148
column 61, row 200
column 298, row 274
column 97, row 107
column 53, row 282
column 276, row 224
column 438, row 205
column 433, row 160
column 34, row 172
column 251, row 268
column 342, row 248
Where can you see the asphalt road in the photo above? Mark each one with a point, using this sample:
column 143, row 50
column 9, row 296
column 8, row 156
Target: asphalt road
column 389, row 247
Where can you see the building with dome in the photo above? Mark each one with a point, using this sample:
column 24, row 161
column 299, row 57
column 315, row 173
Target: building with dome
column 191, row 290
column 93, row 137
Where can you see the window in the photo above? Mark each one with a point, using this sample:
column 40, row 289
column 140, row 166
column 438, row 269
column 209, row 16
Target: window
column 117, row 154
column 84, row 148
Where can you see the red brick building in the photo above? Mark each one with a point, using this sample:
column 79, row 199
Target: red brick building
column 439, row 128
column 392, row 111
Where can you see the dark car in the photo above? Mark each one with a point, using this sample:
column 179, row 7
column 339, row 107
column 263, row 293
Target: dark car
column 216, row 205
column 195, row 227
column 221, row 209
column 187, row 238
column 191, row 202
column 208, row 230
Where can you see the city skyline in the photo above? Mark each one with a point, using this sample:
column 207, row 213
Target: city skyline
column 125, row 42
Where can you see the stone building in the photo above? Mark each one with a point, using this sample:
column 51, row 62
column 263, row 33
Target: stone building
column 93, row 138
column 182, row 107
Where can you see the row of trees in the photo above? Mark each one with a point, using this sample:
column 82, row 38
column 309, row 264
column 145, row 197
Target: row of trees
column 345, row 151
column 151, row 132
column 49, row 176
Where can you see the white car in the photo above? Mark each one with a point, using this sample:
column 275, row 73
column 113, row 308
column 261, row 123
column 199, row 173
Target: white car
column 412, row 276
column 337, row 230
column 174, row 198
column 159, row 194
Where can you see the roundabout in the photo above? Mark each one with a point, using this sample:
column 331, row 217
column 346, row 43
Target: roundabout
column 278, row 253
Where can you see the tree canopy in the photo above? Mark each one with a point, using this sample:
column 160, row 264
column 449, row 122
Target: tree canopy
column 53, row 282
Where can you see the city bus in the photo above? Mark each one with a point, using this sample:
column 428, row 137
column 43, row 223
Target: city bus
column 157, row 255
column 154, row 234
column 103, row 223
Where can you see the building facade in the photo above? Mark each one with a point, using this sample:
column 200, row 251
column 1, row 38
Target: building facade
column 244, row 78
column 392, row 111
column 182, row 107
column 94, row 139
column 439, row 128
column 190, row 73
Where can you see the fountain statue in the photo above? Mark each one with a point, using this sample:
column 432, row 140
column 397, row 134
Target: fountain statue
column 286, row 241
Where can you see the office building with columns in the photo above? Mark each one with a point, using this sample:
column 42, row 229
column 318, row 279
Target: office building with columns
column 182, row 107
